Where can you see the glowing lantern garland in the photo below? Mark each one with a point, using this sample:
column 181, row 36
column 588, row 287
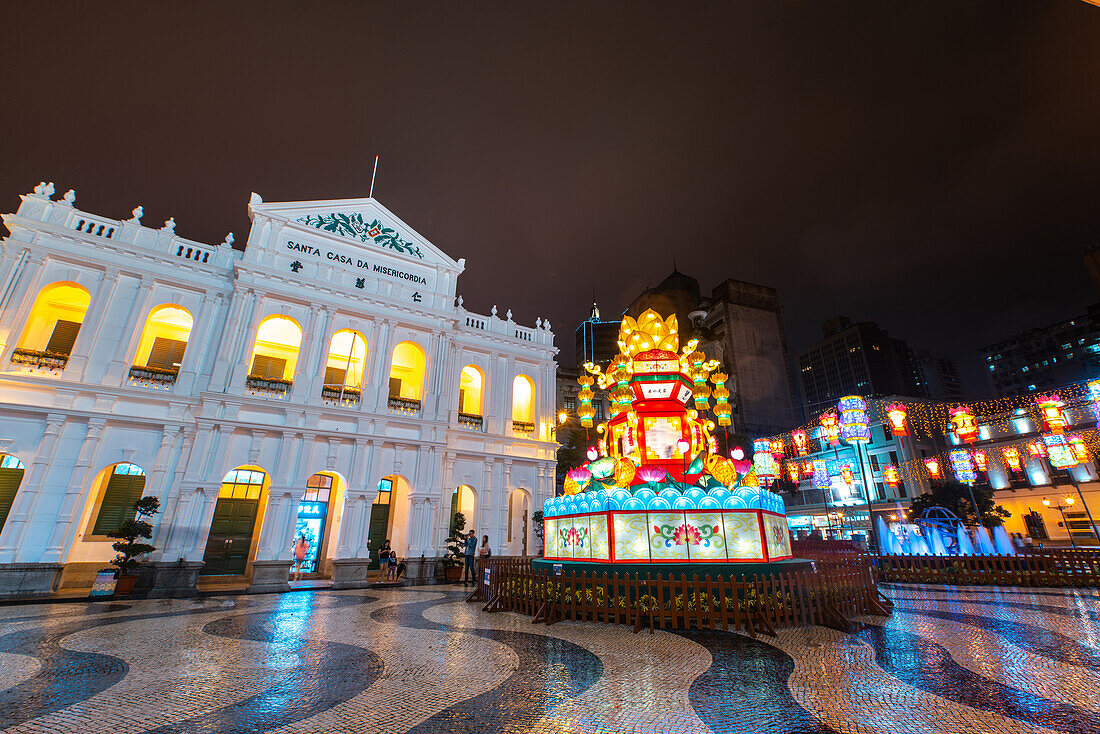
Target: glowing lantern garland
column 763, row 461
column 585, row 411
column 722, row 409
column 801, row 442
column 1094, row 399
column 964, row 424
column 1059, row 451
column 853, row 419
column 933, row 466
column 890, row 475
column 1050, row 409
column 962, row 466
column 896, row 415
column 831, row 427
column 1079, row 449
column 1012, row 458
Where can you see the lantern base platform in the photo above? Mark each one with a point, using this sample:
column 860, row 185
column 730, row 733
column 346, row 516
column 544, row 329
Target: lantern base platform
column 735, row 571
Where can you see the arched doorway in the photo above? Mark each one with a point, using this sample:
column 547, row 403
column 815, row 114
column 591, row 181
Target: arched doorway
column 464, row 500
column 11, row 476
column 379, row 528
column 229, row 544
column 314, row 520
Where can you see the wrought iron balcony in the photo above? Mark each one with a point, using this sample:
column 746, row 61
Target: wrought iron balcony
column 470, row 420
column 523, row 427
column 340, row 394
column 269, row 385
column 39, row 360
column 159, row 376
column 407, row 406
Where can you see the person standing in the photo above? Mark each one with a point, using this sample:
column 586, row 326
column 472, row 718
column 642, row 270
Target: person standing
column 384, row 560
column 471, row 549
column 484, row 551
column 301, row 550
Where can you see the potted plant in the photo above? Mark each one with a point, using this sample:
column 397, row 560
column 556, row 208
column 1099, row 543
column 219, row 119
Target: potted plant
column 539, row 528
column 130, row 544
column 456, row 550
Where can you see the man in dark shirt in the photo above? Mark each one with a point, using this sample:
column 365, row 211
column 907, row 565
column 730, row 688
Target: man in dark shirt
column 471, row 549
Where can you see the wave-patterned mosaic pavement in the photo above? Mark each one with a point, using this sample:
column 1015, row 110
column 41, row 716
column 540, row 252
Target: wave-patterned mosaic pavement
column 422, row 660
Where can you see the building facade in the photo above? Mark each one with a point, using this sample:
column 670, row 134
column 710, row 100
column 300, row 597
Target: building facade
column 1047, row 357
column 325, row 382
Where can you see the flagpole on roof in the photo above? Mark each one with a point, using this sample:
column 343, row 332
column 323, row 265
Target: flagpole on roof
column 372, row 177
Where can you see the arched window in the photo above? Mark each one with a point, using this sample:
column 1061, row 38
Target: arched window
column 163, row 343
column 53, row 325
column 125, row 486
column 344, row 369
column 407, row 372
column 469, row 390
column 275, row 354
column 523, row 403
column 464, row 500
column 11, row 476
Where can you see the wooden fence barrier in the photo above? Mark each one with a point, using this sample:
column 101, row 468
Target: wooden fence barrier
column 829, row 597
column 1046, row 567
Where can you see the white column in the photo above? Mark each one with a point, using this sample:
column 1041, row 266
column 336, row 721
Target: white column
column 380, row 376
column 26, row 499
column 173, row 496
column 307, row 355
column 198, row 343
column 130, row 338
column 240, row 355
column 94, row 317
column 230, row 336
column 443, row 510
column 70, row 512
column 485, row 498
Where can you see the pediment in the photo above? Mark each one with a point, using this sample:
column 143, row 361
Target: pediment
column 362, row 221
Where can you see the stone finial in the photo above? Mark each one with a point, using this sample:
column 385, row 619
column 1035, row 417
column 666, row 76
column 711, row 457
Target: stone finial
column 460, row 301
column 255, row 199
column 538, row 323
column 169, row 225
column 40, row 189
column 228, row 241
column 47, row 190
column 137, row 213
column 508, row 315
column 546, row 324
column 494, row 310
column 69, row 197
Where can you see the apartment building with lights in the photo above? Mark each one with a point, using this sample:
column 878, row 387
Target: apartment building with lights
column 327, row 381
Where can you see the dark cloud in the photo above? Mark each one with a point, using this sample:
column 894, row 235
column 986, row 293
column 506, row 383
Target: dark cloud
column 931, row 166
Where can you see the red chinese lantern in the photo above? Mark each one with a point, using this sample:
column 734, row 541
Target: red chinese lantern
column 1050, row 409
column 807, row 468
column 830, row 424
column 1078, row 447
column 964, row 424
column 980, row 460
column 1037, row 450
column 801, row 442
column 846, row 474
column 1012, row 458
column 793, row 471
column 896, row 415
column 779, row 449
column 933, row 465
column 890, row 475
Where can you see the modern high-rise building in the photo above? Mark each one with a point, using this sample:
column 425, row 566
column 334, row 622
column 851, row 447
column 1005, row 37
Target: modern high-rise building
column 597, row 340
column 935, row 375
column 1046, row 357
column 854, row 359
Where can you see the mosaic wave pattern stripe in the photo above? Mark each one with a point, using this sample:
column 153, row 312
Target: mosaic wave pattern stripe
column 327, row 661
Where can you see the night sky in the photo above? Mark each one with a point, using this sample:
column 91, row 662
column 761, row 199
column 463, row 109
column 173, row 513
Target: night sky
column 933, row 166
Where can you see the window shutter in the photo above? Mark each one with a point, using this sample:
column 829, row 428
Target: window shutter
column 9, row 485
column 63, row 337
column 334, row 376
column 395, row 387
column 166, row 353
column 268, row 367
column 123, row 490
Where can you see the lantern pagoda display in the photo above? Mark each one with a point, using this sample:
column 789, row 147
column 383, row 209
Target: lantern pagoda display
column 656, row 490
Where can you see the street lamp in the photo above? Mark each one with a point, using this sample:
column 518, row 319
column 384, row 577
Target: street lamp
column 563, row 417
column 1065, row 522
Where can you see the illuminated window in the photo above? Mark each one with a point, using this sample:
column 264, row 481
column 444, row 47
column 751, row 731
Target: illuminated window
column 346, row 357
column 319, row 488
column 125, row 486
column 385, row 490
column 165, row 338
column 469, row 390
column 407, row 371
column 55, row 319
column 242, row 484
column 523, row 399
column 275, row 354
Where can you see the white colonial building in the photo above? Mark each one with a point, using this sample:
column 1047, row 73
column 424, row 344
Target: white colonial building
column 326, row 381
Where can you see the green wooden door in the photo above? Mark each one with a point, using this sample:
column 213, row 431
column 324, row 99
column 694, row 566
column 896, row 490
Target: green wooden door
column 230, row 537
column 9, row 485
column 376, row 534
